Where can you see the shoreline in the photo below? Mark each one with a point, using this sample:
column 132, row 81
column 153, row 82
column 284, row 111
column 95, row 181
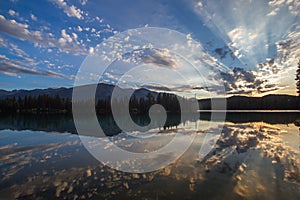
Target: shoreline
column 249, row 111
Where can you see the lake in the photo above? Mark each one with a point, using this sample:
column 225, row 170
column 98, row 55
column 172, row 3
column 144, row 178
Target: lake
column 256, row 156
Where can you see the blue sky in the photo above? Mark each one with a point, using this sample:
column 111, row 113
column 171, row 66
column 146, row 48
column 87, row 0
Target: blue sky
column 44, row 42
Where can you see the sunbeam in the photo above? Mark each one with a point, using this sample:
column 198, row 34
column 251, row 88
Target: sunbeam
column 262, row 35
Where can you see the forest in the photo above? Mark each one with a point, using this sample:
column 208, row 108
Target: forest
column 47, row 104
column 268, row 102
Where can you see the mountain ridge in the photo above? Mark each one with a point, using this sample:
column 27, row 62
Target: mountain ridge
column 268, row 102
column 235, row 102
column 103, row 91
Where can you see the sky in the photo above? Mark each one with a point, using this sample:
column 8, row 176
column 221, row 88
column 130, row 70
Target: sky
column 250, row 47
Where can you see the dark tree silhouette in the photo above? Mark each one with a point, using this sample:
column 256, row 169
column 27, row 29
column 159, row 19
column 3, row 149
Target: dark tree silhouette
column 298, row 78
column 47, row 104
column 39, row 104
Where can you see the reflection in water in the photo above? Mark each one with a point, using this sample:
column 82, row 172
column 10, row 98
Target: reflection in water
column 249, row 161
column 48, row 123
column 255, row 162
column 64, row 123
column 267, row 117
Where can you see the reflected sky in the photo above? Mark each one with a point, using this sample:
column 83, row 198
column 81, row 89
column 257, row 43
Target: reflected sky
column 250, row 161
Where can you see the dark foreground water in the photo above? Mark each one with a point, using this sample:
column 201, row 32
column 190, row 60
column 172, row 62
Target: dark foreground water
column 255, row 157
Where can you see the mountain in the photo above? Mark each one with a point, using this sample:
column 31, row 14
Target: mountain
column 103, row 91
column 62, row 92
column 268, row 102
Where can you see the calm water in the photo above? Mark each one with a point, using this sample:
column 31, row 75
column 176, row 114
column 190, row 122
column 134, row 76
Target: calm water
column 256, row 157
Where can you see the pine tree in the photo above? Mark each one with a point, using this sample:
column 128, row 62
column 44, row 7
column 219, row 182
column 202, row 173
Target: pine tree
column 298, row 78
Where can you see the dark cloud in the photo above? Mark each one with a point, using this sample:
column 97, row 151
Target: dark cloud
column 238, row 74
column 161, row 58
column 158, row 57
column 158, row 60
column 200, row 88
column 218, row 89
column 223, row 52
column 181, row 88
column 239, row 92
column 270, row 86
column 156, row 87
column 238, row 81
column 13, row 69
column 270, row 67
column 250, row 83
column 264, row 90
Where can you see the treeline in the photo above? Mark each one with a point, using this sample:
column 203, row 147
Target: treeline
column 269, row 102
column 137, row 105
column 48, row 104
column 168, row 101
column 39, row 104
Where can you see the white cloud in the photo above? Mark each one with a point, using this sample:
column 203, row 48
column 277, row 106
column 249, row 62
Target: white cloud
column 66, row 36
column 40, row 39
column 243, row 39
column 91, row 50
column 71, row 11
column 110, row 76
column 24, row 58
column 293, row 6
column 33, row 17
column 273, row 12
column 62, row 41
column 17, row 50
column 83, row 2
column 126, row 38
column 189, row 36
column 17, row 30
column 13, row 13
column 75, row 36
column 3, row 43
column 276, row 2
column 3, row 57
column 99, row 20
column 30, row 61
column 199, row 4
column 236, row 34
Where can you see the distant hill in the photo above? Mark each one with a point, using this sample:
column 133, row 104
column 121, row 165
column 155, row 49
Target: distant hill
column 56, row 101
column 268, row 102
column 103, row 91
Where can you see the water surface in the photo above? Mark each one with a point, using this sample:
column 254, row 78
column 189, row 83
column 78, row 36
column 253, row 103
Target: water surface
column 256, row 157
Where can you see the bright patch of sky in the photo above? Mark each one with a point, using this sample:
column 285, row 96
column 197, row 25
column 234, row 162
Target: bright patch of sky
column 44, row 42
